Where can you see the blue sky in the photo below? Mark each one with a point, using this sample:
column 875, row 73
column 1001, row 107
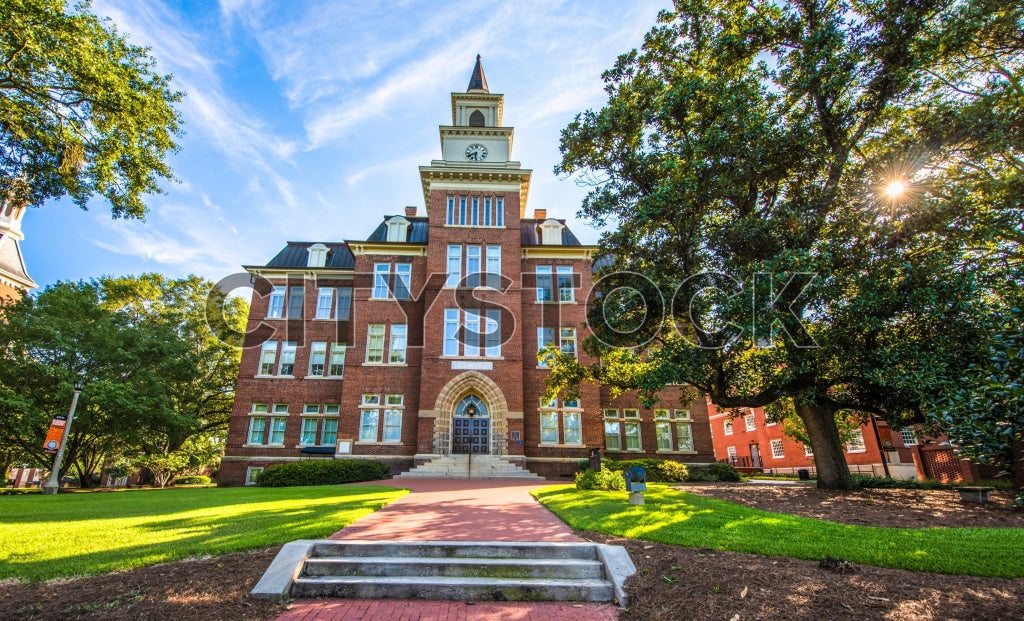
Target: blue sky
column 307, row 120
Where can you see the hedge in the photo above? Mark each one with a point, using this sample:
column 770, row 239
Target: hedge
column 713, row 472
column 322, row 472
column 193, row 480
column 608, row 480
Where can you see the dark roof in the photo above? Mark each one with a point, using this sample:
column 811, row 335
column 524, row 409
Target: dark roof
column 415, row 234
column 478, row 82
column 529, row 236
column 12, row 264
column 296, row 254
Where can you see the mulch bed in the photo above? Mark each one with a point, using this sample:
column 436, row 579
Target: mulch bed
column 671, row 583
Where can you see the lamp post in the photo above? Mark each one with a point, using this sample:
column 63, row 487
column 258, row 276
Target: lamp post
column 53, row 485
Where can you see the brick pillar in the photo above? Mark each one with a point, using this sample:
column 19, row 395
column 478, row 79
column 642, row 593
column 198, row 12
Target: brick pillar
column 969, row 471
column 915, row 454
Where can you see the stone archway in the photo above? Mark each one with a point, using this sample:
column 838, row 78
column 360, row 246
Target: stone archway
column 471, row 382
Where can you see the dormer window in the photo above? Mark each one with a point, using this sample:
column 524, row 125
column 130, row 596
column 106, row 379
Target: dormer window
column 476, row 119
column 398, row 229
column 317, row 256
column 551, row 232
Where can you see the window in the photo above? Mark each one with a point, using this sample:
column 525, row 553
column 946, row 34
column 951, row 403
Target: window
column 499, row 211
column 549, row 427
column 544, row 283
column 317, row 255
column 368, row 426
column 324, row 302
column 808, row 452
column 337, row 368
column 375, row 343
column 664, row 433
column 277, row 425
column 370, row 418
column 632, row 436
column 308, row 436
column 392, row 425
column 480, row 332
column 630, row 413
column 268, row 355
column 475, row 211
column 494, row 267
column 487, row 211
column 381, row 271
column 454, row 266
column 856, row 443
column 329, row 432
column 311, row 408
column 251, row 473
column 750, row 422
column 276, row 308
column 777, row 451
column 573, row 427
column 732, row 453
column 473, row 266
column 567, row 341
column 566, row 292
column 451, row 330
column 471, row 346
column 684, row 437
column 612, row 442
column 551, row 232
column 332, row 410
column 727, row 427
column 682, row 414
column 476, row 119
column 492, row 333
column 545, row 337
column 909, row 436
column 295, row 295
column 403, row 281
column 371, row 399
column 450, row 218
column 398, row 343
column 280, row 408
column 344, row 303
column 398, row 228
column 257, row 430
column 673, row 434
column 287, row 364
column 317, row 358
column 462, row 210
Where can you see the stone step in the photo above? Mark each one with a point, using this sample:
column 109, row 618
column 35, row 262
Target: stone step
column 566, row 569
column 471, row 467
column 447, row 588
column 454, row 550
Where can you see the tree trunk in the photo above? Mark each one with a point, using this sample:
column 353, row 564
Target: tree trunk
column 829, row 459
column 1017, row 471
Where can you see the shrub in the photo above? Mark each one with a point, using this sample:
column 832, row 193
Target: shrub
column 658, row 470
column 608, row 480
column 867, row 482
column 713, row 472
column 322, row 472
column 194, row 480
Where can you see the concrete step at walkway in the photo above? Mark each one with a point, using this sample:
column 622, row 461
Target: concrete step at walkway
column 486, row 588
column 469, row 467
column 456, row 567
column 454, row 550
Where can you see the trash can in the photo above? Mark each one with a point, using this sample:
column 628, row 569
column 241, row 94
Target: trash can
column 804, row 474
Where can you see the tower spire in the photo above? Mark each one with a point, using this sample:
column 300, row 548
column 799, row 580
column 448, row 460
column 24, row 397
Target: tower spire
column 477, row 82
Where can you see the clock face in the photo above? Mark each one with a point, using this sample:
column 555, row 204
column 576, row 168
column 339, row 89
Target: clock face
column 476, row 152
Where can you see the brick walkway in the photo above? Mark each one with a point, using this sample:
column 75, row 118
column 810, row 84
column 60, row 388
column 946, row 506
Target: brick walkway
column 454, row 510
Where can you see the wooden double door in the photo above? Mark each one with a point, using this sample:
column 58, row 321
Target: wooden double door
column 470, row 436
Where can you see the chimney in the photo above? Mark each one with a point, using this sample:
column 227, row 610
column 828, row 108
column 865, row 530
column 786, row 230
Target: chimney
column 540, row 214
column 410, row 211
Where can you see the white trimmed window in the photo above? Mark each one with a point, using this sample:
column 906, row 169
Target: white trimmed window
column 727, row 427
column 454, row 266
column 317, row 358
column 549, row 427
column 368, row 425
column 309, row 429
column 731, row 451
column 493, row 267
column 545, row 337
column 566, row 291
column 324, row 302
column 684, row 437
column 808, row 452
column 276, row 308
column 329, row 432
column 295, row 296
column 567, row 341
column 277, row 427
column 672, row 431
column 268, row 356
column 544, row 284
column 371, row 416
column 257, row 430
column 474, row 266
column 344, row 310
column 398, row 344
column 375, row 343
column 909, row 436
column 612, row 430
column 381, row 272
column 403, row 281
column 777, row 450
column 475, row 211
column 480, row 332
column 286, row 366
column 750, row 422
column 392, row 425
column 632, row 431
column 856, row 443
column 572, row 427
column 337, row 367
column 250, row 474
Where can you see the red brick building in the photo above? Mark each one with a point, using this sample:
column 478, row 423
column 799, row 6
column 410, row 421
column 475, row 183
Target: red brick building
column 420, row 340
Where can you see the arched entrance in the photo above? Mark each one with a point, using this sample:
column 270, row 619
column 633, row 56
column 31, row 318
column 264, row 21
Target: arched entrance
column 471, row 427
column 471, row 388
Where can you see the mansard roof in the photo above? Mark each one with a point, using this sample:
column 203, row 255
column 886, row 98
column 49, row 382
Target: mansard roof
column 531, row 237
column 416, row 233
column 296, row 254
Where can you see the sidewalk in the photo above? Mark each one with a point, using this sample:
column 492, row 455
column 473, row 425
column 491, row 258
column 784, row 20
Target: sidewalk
column 455, row 510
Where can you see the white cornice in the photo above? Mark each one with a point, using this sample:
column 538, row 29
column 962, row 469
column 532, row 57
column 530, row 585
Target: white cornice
column 403, row 249
column 305, row 272
column 476, row 174
column 559, row 252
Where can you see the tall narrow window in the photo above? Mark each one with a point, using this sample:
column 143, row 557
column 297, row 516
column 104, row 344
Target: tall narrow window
column 392, row 425
column 454, row 265
column 451, row 211
column 684, row 437
column 571, row 427
column 462, row 210
column 257, row 430
column 549, row 427
column 337, row 368
column 276, row 308
column 268, row 355
column 492, row 333
column 451, row 331
column 856, row 443
column 295, row 302
column 344, row 303
column 567, row 340
column 476, row 211
column 308, row 436
column 664, row 433
column 543, row 283
column 545, row 337
column 324, row 302
column 632, row 436
column 494, row 267
column 778, row 452
column 487, row 212
column 403, row 281
column 277, row 427
column 398, row 342
column 500, row 211
column 368, row 425
column 473, row 266
column 565, row 284
column 375, row 343
column 287, row 364
column 612, row 437
column 471, row 347
column 381, row 271
column 329, row 432
column 317, row 358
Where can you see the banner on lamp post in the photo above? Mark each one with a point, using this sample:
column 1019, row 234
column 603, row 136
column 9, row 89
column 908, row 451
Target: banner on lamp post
column 53, row 436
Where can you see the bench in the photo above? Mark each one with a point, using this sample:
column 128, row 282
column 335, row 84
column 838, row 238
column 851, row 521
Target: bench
column 974, row 494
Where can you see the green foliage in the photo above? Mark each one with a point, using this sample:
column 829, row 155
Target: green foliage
column 164, row 466
column 82, row 112
column 658, row 470
column 869, row 482
column 682, row 519
column 322, row 472
column 747, row 143
column 193, row 480
column 713, row 472
column 104, row 532
column 608, row 480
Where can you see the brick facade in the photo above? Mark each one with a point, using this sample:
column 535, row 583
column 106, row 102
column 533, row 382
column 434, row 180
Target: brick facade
column 424, row 386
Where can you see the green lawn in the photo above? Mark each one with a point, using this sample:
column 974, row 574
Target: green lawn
column 70, row 534
column 683, row 519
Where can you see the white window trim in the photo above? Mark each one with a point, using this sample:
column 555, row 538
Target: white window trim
column 781, row 453
column 250, row 471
